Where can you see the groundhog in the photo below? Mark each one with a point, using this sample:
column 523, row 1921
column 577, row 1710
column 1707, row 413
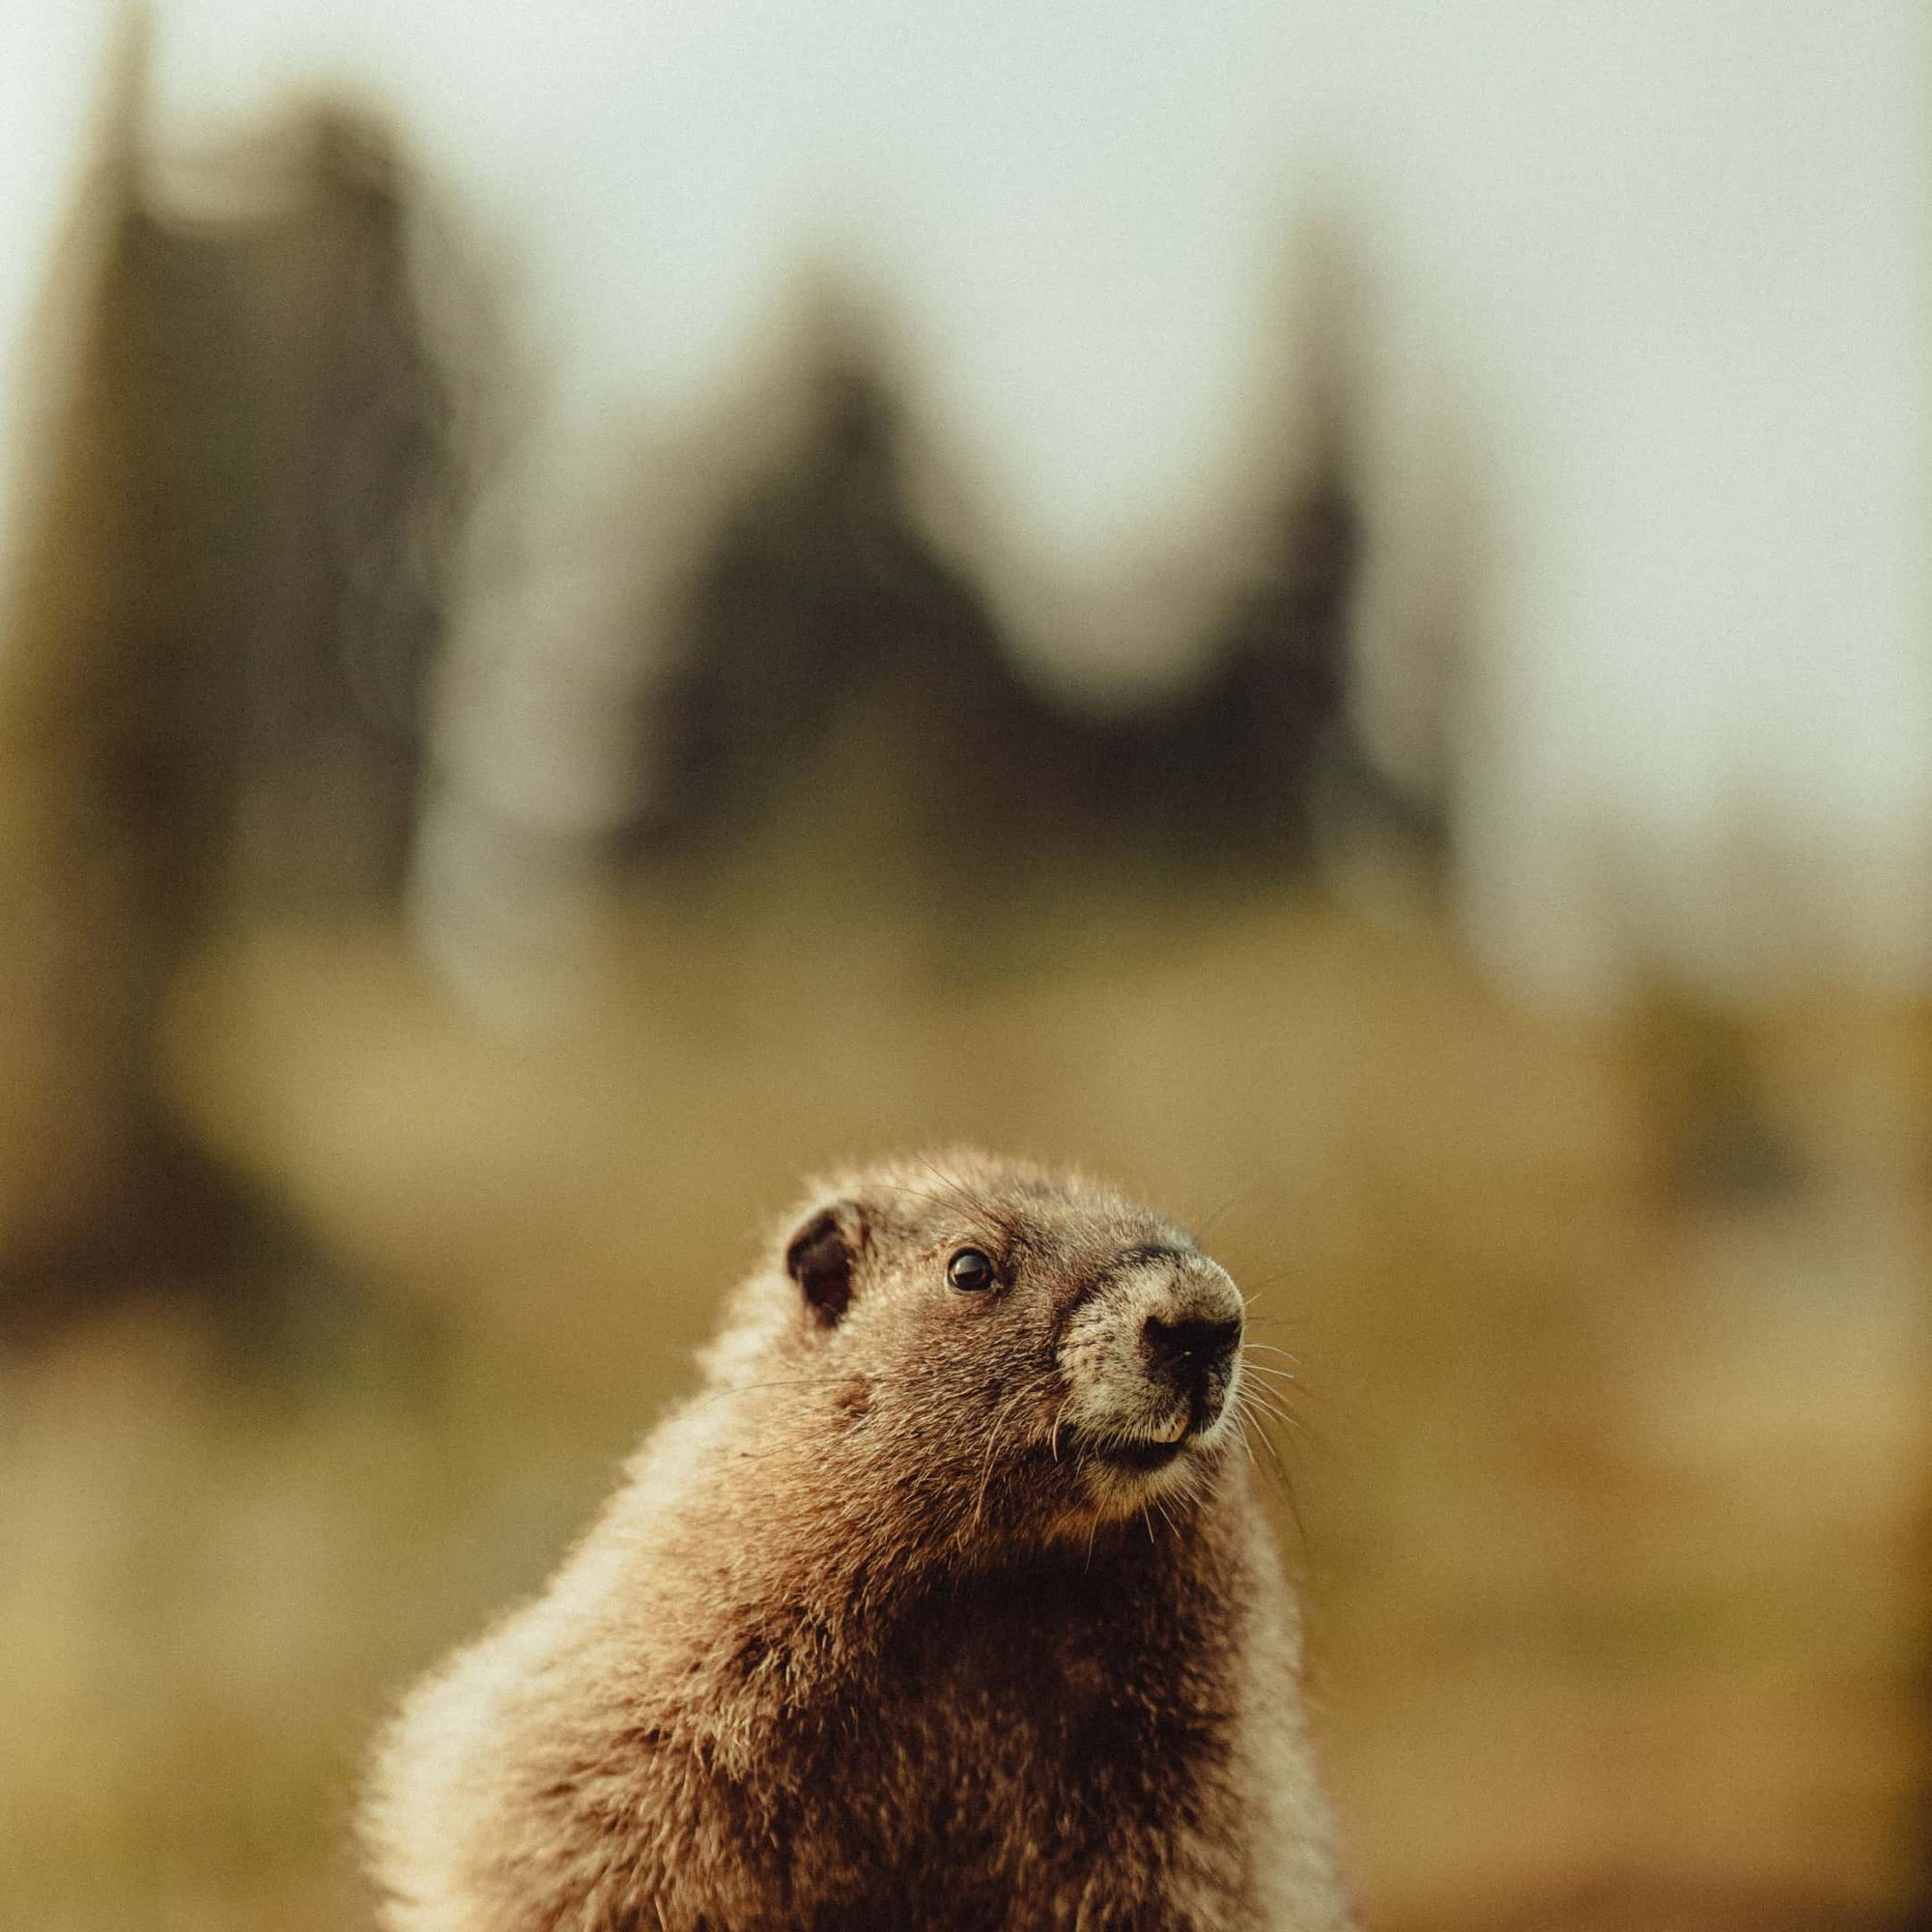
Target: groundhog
column 947, row 1602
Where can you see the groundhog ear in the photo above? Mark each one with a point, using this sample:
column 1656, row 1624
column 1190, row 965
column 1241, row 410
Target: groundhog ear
column 820, row 1257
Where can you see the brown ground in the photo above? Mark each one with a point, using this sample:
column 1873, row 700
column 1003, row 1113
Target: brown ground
column 1609, row 1473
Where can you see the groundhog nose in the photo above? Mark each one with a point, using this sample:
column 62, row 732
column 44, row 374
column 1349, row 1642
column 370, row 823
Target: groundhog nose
column 1192, row 1354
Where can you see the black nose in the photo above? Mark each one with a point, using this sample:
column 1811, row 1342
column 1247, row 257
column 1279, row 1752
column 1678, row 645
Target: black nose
column 1192, row 1356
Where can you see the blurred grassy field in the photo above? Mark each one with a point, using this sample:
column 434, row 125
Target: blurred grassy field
column 1609, row 1482
column 1610, row 1467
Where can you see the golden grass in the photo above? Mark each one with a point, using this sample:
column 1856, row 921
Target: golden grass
column 1609, row 1498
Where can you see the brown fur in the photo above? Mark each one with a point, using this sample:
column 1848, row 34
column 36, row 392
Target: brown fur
column 876, row 1634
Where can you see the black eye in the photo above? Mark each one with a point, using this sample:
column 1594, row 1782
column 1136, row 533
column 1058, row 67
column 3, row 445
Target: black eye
column 970, row 1271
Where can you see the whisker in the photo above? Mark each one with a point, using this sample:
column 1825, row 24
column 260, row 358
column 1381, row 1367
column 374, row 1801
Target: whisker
column 1243, row 1191
column 1254, row 1290
column 1284, row 1400
column 1286, row 1482
column 1304, row 1390
column 1250, row 1428
column 1005, row 1409
column 1267, row 1407
column 962, row 1196
column 951, row 1202
column 1271, row 1348
column 1278, row 1375
column 977, row 1207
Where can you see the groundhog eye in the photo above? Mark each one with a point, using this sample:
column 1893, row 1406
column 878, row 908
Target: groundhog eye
column 970, row 1271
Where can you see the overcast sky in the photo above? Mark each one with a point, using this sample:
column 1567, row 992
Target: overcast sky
column 1637, row 294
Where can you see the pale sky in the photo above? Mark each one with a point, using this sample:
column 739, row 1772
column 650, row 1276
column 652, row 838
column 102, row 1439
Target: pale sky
column 1640, row 304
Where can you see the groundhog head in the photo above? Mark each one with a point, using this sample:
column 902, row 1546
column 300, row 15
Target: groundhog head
column 999, row 1355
